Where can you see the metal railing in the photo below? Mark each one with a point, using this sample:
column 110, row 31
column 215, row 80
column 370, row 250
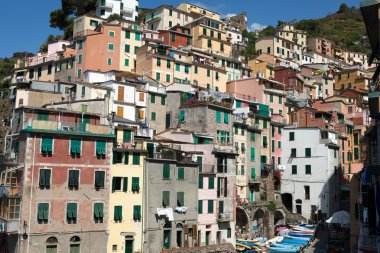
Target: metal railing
column 34, row 124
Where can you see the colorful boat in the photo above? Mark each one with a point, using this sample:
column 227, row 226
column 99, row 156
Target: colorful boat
column 296, row 234
column 293, row 241
column 243, row 246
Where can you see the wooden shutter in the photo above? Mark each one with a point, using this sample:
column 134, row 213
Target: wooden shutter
column 120, row 111
column 125, row 184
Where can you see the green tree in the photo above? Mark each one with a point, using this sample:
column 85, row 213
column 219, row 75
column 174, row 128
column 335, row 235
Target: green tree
column 268, row 31
column 250, row 50
column 343, row 8
column 113, row 17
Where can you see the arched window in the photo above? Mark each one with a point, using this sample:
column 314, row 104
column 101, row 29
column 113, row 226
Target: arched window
column 52, row 240
column 167, row 237
column 75, row 239
column 51, row 245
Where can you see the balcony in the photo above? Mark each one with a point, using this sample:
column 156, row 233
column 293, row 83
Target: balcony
column 66, row 127
column 208, row 169
column 9, row 226
column 7, row 191
column 127, row 11
column 143, row 132
column 224, row 217
column 133, row 145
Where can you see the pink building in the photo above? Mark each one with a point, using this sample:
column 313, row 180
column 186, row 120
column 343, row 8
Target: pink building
column 247, row 89
column 320, row 45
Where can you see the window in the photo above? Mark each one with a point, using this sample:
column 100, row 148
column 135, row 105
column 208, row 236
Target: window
column 294, row 169
column 47, row 145
column 168, row 78
column 280, row 100
column 170, row 24
column 265, row 124
column 200, row 206
column 101, row 149
column 252, row 134
column 75, row 147
column 136, row 49
column 44, row 180
column 116, row 183
column 181, row 116
column 118, row 213
column 308, row 152
column 166, row 171
column 136, row 212
column 153, row 116
column 271, row 98
column 136, row 159
column 165, row 198
column 135, row 184
column 49, row 69
column 252, row 154
column 180, row 199
column 200, row 182
column 265, row 141
column 173, row 37
column 218, row 116
column 127, row 48
column 73, row 179
column 208, row 72
column 158, row 61
column 181, row 173
column 279, row 144
column 308, row 169
column 210, row 206
column 137, row 36
column 43, row 212
column 196, row 69
column 71, row 213
column 152, row 99
column 291, row 136
column 79, row 73
column 109, row 61
column 226, row 117
column 178, row 67
column 211, row 183
column 110, row 47
column 163, row 100
column 307, row 191
column 293, row 152
column 127, row 34
column 99, row 179
column 158, row 76
column 356, row 153
column 98, row 212
column 209, row 44
column 111, row 33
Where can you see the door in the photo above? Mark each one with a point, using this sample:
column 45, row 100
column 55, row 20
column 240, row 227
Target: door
column 208, row 233
column 129, row 246
column 83, row 122
column 74, row 248
column 219, row 237
column 167, row 239
column 179, row 239
column 167, row 120
column 150, row 147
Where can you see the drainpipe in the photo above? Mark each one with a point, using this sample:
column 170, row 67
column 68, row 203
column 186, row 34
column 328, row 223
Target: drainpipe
column 31, row 193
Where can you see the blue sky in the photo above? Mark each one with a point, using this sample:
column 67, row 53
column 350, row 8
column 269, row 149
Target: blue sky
column 25, row 23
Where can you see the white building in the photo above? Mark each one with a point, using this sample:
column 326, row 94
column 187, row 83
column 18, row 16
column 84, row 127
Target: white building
column 128, row 9
column 309, row 179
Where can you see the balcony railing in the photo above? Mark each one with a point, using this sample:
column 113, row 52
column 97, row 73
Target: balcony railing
column 66, row 127
column 138, row 145
column 143, row 132
column 369, row 242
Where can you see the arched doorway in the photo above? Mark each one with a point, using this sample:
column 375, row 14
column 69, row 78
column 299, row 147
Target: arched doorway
column 258, row 220
column 242, row 220
column 75, row 244
column 167, row 231
column 52, row 244
column 279, row 218
column 287, row 201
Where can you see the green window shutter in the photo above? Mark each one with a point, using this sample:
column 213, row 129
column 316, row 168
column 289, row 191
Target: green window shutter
column 271, row 98
column 242, row 131
column 113, row 184
column 253, row 173
column 226, row 118
column 293, row 152
column 137, row 36
column 200, row 183
column 110, row 47
column 163, row 100
column 152, row 99
column 170, row 24
column 265, row 124
column 73, row 178
column 180, row 199
column 196, row 140
column 127, row 136
column 165, row 198
column 136, row 49
column 42, row 116
column 294, row 169
column 252, row 136
column 308, row 169
column 99, row 179
column 158, row 76
column 200, row 162
column 178, row 67
column 127, row 34
column 135, row 184
column 168, row 65
column 42, row 180
column 127, row 48
column 43, row 212
column 173, row 37
column 218, row 116
column 71, row 212
column 47, row 178
column 153, row 116
column 136, row 159
column 236, row 130
column 208, row 72
column 308, row 152
column 158, row 61
column 167, row 78
column 125, row 184
column 209, row 44
column 100, row 209
column 200, row 206
column 118, row 213
column 265, row 140
column 181, row 173
column 100, row 148
column 166, row 171
column 291, row 136
column 211, row 184
column 280, row 100
column 137, row 212
column 204, row 31
column 196, row 69
column 126, row 158
column 114, row 157
column 252, row 154
column 210, row 206
column 279, row 144
column 221, row 207
column 75, row 147
column 257, row 121
column 182, row 115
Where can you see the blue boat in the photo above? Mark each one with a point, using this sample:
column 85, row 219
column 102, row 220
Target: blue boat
column 292, row 241
column 286, row 250
column 280, row 245
column 295, row 234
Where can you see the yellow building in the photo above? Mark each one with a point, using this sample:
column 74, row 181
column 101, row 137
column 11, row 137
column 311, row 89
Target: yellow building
column 197, row 10
column 353, row 78
column 130, row 42
column 264, row 64
column 126, row 196
column 209, row 33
